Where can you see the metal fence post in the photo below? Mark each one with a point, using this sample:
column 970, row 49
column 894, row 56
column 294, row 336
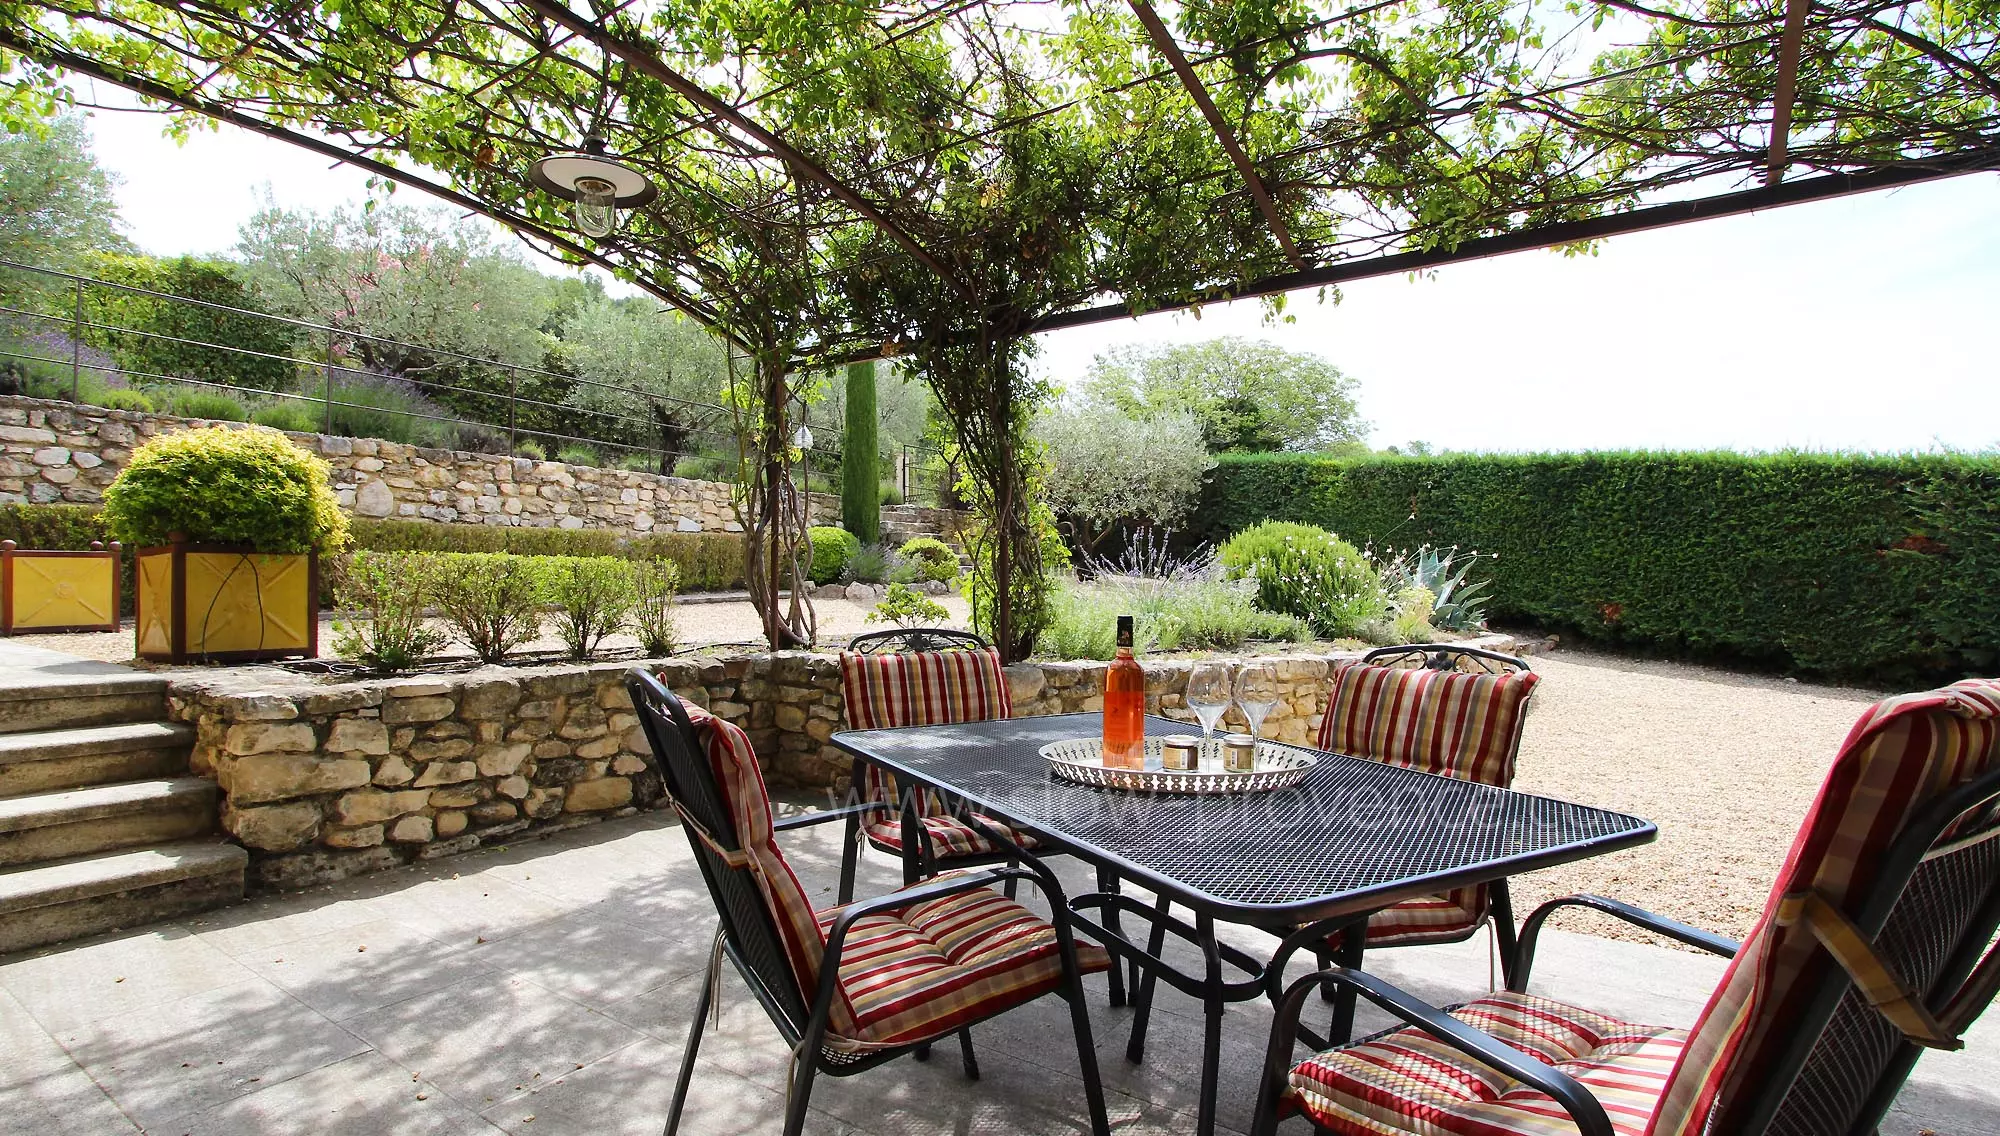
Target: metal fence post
column 76, row 348
column 513, row 403
column 326, row 389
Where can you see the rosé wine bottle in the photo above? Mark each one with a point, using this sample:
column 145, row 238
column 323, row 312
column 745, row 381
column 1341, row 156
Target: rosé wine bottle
column 1125, row 706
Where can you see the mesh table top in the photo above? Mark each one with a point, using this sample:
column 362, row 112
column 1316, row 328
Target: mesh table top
column 1355, row 835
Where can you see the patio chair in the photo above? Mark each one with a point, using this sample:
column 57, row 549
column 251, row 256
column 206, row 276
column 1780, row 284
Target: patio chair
column 854, row 986
column 1873, row 946
column 924, row 676
column 1456, row 711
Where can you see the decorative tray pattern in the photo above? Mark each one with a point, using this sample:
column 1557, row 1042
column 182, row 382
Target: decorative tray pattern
column 1081, row 760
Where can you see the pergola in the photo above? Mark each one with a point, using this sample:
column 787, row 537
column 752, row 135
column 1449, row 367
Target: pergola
column 938, row 180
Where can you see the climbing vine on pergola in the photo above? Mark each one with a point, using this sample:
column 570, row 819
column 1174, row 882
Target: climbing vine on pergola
column 938, row 180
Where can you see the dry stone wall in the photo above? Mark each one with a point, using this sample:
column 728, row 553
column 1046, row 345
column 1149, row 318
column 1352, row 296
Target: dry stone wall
column 65, row 452
column 323, row 780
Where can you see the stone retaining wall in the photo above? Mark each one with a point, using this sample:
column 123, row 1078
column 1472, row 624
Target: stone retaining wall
column 323, row 780
column 59, row 451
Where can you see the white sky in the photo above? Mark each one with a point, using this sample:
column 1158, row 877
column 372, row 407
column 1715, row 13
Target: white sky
column 1861, row 323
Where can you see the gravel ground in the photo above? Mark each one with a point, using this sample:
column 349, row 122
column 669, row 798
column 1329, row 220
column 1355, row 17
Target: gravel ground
column 1725, row 764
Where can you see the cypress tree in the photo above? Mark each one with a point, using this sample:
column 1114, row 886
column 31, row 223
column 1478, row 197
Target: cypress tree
column 860, row 465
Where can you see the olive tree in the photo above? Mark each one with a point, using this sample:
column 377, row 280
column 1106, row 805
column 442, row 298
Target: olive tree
column 1108, row 470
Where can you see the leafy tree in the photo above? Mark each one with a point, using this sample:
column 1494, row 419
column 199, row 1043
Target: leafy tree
column 56, row 202
column 1247, row 394
column 408, row 275
column 1107, row 469
column 860, row 464
column 150, row 326
column 646, row 377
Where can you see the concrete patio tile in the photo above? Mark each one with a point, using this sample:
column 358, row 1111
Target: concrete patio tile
column 354, row 970
column 464, row 910
column 106, row 978
column 191, row 1055
column 366, row 1095
column 596, row 957
column 252, row 929
column 42, row 1090
column 491, row 1037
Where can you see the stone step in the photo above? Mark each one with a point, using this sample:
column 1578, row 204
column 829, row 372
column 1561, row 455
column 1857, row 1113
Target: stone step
column 77, row 822
column 41, row 761
column 90, row 697
column 85, row 895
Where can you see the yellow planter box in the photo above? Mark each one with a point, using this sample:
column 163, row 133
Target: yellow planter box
column 219, row 603
column 58, row 591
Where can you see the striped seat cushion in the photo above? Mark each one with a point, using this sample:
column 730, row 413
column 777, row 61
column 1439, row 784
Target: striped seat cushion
column 928, row 969
column 924, row 688
column 1446, row 722
column 907, row 975
column 1405, row 1081
column 950, row 837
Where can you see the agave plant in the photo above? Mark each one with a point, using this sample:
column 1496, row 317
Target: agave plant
column 1461, row 603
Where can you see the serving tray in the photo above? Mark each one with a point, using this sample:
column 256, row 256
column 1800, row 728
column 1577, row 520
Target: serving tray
column 1082, row 760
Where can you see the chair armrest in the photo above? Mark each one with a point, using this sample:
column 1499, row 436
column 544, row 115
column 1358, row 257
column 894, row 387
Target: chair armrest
column 821, row 816
column 1474, row 1043
column 1524, row 953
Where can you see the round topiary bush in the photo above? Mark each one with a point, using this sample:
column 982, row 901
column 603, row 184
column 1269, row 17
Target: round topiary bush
column 1308, row 572
column 933, row 557
column 832, row 548
column 226, row 486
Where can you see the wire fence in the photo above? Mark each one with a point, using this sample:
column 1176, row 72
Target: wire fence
column 80, row 338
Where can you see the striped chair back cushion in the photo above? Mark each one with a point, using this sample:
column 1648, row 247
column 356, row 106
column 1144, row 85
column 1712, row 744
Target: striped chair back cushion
column 740, row 779
column 1903, row 754
column 921, row 688
column 1449, row 722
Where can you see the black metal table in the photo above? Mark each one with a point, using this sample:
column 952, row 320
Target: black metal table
column 1355, row 836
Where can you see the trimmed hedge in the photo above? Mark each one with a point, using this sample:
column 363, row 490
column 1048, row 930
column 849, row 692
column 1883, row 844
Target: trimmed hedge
column 707, row 562
column 1883, row 568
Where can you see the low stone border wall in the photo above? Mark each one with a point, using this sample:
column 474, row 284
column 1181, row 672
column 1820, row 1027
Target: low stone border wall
column 325, row 780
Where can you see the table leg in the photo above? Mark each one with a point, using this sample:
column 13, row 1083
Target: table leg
column 1108, row 882
column 1352, row 945
column 1142, row 995
column 1211, row 1041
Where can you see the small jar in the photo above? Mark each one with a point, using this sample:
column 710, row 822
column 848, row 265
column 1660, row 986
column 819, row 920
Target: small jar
column 1239, row 754
column 1180, row 753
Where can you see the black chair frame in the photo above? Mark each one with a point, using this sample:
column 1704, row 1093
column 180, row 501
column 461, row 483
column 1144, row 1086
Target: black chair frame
column 1446, row 657
column 1957, row 991
column 1353, row 947
column 749, row 940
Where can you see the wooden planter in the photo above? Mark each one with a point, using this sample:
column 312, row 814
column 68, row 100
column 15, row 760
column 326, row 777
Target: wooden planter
column 58, row 591
column 225, row 603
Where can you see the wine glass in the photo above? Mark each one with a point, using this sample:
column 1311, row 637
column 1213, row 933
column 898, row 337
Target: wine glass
column 1208, row 696
column 1257, row 693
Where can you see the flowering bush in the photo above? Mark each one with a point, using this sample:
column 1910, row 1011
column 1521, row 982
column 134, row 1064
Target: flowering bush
column 1304, row 571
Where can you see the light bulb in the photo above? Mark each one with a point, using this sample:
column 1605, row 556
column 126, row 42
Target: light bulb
column 596, row 208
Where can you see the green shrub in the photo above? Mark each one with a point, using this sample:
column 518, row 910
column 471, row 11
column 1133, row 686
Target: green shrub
column 879, row 564
column 392, row 591
column 1169, row 614
column 654, row 584
column 531, row 449
column 706, row 562
column 247, row 487
column 1879, row 568
column 904, row 606
column 934, row 558
column 294, row 416
column 592, row 595
column 116, row 398
column 640, row 463
column 212, row 405
column 1306, row 572
column 832, row 548
column 579, row 455
column 889, row 494
column 860, row 460
column 494, row 601
column 367, row 405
